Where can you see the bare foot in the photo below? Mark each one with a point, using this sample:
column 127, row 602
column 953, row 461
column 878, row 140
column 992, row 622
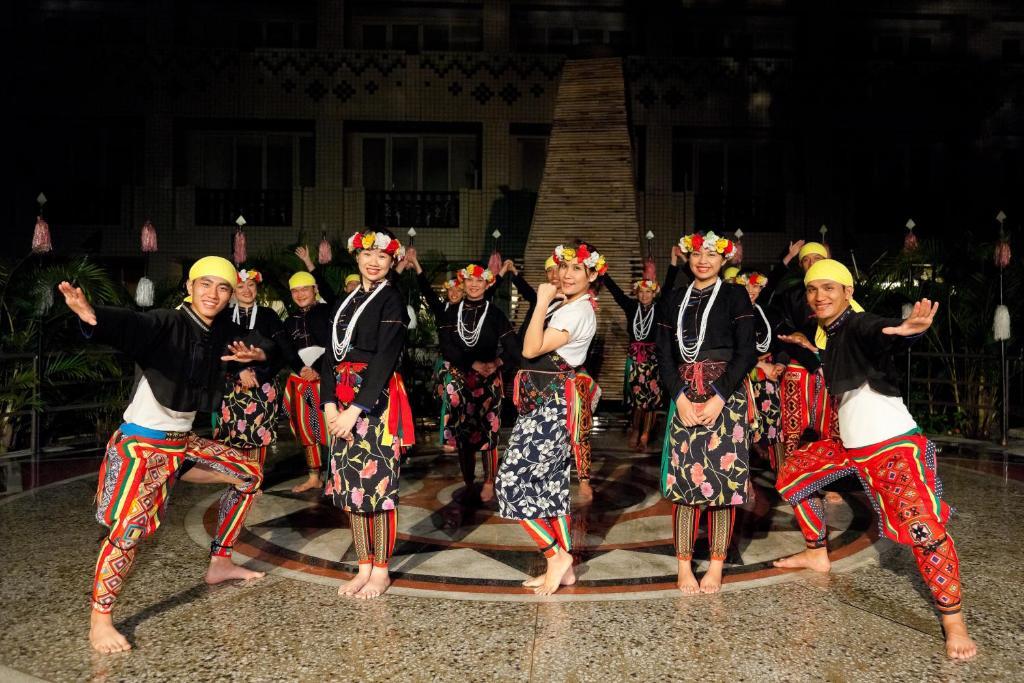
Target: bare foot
column 586, row 492
column 448, row 448
column 104, row 637
column 377, row 585
column 833, row 498
column 356, row 583
column 313, row 482
column 567, row 580
column 687, row 582
column 223, row 569
column 487, row 492
column 559, row 565
column 644, row 439
column 815, row 559
column 958, row 644
column 711, row 582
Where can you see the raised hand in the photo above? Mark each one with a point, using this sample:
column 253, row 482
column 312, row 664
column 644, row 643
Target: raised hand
column 794, row 249
column 677, row 254
column 546, row 292
column 240, row 352
column 302, row 251
column 921, row 318
column 76, row 301
column 799, row 339
column 508, row 266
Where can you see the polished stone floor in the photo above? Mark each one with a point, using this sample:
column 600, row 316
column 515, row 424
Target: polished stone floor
column 456, row 612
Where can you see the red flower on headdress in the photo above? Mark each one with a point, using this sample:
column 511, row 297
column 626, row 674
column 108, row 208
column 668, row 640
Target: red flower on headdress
column 698, row 242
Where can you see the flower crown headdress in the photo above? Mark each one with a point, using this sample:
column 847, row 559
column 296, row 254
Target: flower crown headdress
column 756, row 279
column 246, row 275
column 581, row 254
column 708, row 242
column 647, row 284
column 474, row 270
column 376, row 240
column 451, row 284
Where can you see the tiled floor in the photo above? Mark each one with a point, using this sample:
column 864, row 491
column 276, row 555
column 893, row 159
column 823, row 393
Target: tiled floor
column 868, row 620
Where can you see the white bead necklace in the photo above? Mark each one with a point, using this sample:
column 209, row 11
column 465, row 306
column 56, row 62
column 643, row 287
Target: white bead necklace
column 341, row 349
column 236, row 316
column 762, row 346
column 642, row 322
column 470, row 337
column 689, row 352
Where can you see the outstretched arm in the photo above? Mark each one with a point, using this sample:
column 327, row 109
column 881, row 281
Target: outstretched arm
column 921, row 318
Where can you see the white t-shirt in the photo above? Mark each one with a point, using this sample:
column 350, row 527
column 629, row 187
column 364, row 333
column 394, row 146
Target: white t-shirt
column 578, row 319
column 867, row 417
column 146, row 411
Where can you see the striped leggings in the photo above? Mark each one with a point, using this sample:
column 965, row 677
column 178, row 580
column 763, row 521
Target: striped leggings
column 686, row 522
column 550, row 534
column 373, row 536
column 134, row 483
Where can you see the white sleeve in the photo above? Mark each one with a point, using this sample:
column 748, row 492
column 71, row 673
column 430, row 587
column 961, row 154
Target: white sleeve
column 568, row 320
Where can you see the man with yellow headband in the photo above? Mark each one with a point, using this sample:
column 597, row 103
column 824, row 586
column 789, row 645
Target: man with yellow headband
column 878, row 441
column 179, row 355
column 805, row 411
column 308, row 328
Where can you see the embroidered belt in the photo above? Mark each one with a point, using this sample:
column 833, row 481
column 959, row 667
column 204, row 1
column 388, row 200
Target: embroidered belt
column 641, row 351
column 132, row 429
column 699, row 376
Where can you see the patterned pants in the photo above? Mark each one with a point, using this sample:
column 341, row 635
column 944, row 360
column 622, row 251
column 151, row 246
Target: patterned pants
column 134, row 483
column 804, row 404
column 302, row 405
column 373, row 536
column 589, row 395
column 900, row 478
column 550, row 534
column 476, row 418
column 686, row 522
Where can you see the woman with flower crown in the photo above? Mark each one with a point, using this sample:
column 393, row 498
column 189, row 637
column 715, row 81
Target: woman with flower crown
column 642, row 392
column 367, row 409
column 533, row 478
column 705, row 350
column 476, row 340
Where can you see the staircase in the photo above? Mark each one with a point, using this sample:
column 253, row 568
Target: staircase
column 588, row 192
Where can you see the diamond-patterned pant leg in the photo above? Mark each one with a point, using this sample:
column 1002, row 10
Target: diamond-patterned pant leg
column 685, row 524
column 802, row 474
column 385, row 528
column 362, row 536
column 720, row 523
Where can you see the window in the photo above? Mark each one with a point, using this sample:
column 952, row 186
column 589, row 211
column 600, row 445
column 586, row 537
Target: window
column 559, row 30
column 413, row 37
column 414, row 162
column 528, row 164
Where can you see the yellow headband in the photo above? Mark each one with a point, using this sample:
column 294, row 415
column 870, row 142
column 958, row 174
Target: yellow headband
column 301, row 279
column 813, row 248
column 550, row 263
column 827, row 269
column 354, row 277
column 212, row 266
column 730, row 273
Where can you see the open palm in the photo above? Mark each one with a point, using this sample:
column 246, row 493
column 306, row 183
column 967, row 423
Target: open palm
column 920, row 319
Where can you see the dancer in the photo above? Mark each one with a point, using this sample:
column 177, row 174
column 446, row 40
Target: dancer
column 771, row 363
column 470, row 336
column 642, row 390
column 248, row 411
column 179, row 354
column 586, row 386
column 367, row 409
column 533, row 478
column 879, row 441
column 705, row 350
column 308, row 330
column 351, row 282
column 442, row 378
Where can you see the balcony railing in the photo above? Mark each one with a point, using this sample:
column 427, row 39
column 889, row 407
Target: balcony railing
column 260, row 207
column 408, row 209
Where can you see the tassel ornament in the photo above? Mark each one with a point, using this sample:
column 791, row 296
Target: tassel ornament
column 144, row 292
column 41, row 243
column 1001, row 324
column 148, row 238
column 240, row 254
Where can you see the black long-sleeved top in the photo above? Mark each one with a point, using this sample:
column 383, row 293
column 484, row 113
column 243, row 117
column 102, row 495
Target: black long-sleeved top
column 496, row 332
column 857, row 351
column 794, row 316
column 311, row 326
column 177, row 352
column 377, row 340
column 269, row 325
column 729, row 336
column 629, row 306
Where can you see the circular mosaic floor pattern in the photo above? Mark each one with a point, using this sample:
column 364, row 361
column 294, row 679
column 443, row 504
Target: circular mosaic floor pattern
column 622, row 540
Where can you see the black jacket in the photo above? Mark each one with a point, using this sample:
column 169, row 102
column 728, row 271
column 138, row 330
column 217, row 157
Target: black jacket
column 857, row 351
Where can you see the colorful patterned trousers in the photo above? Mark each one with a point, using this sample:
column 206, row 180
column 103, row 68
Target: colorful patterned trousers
column 686, row 522
column 550, row 534
column 805, row 403
column 373, row 536
column 134, row 482
column 302, row 405
column 589, row 393
column 900, row 478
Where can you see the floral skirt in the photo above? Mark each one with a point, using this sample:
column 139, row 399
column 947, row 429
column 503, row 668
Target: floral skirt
column 363, row 475
column 533, row 477
column 475, row 417
column 769, row 412
column 440, row 380
column 643, row 389
column 248, row 417
column 708, row 465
